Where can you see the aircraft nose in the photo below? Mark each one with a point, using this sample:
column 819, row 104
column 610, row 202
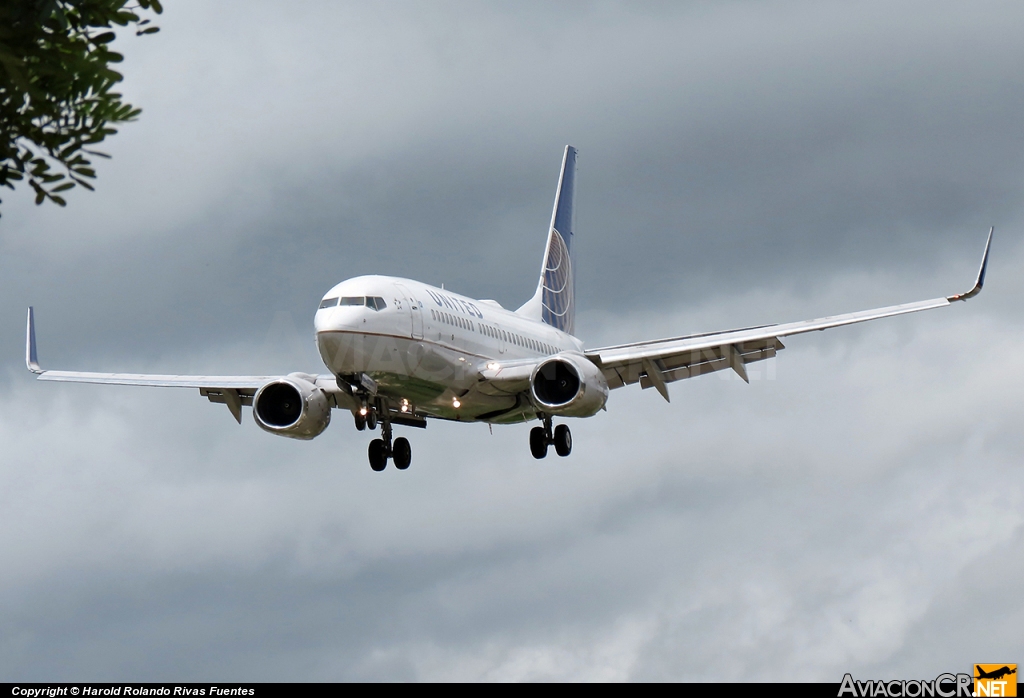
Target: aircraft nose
column 340, row 318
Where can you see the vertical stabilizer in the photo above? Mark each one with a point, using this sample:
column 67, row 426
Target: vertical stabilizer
column 554, row 301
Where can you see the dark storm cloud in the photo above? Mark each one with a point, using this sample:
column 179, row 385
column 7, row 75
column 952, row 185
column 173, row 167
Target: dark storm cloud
column 739, row 163
column 744, row 145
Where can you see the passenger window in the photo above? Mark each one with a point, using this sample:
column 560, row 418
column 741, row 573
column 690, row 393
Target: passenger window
column 328, row 302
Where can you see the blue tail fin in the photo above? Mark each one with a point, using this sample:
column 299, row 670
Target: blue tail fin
column 554, row 301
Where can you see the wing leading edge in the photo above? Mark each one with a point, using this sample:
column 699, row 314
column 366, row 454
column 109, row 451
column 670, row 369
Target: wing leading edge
column 234, row 391
column 658, row 362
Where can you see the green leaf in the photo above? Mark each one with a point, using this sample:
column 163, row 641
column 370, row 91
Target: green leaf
column 57, row 87
column 69, row 150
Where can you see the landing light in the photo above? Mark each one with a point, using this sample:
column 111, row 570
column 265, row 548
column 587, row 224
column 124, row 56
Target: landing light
column 493, row 365
column 363, row 411
column 455, row 403
column 405, row 405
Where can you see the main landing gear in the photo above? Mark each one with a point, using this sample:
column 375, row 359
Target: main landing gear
column 382, row 449
column 542, row 437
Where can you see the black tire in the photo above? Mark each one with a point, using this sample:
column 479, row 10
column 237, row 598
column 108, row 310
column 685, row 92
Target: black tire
column 563, row 440
column 538, row 442
column 371, row 419
column 360, row 422
column 378, row 455
column 401, row 452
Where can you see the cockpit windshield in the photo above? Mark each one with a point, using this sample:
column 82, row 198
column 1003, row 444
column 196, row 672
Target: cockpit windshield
column 375, row 302
column 328, row 303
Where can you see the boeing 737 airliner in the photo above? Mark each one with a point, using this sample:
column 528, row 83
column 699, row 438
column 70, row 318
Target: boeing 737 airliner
column 400, row 352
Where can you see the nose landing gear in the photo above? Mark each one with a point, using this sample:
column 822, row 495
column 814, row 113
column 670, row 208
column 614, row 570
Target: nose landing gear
column 402, row 453
column 542, row 437
column 382, row 449
column 378, row 453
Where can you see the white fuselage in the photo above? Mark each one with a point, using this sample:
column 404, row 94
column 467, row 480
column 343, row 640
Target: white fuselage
column 428, row 345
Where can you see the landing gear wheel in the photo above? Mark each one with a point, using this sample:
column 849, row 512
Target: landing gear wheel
column 401, row 451
column 371, row 419
column 563, row 440
column 360, row 422
column 378, row 455
column 538, row 442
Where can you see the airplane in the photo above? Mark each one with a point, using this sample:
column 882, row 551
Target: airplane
column 400, row 352
column 995, row 674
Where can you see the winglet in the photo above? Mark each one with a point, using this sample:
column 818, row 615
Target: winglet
column 981, row 274
column 31, row 360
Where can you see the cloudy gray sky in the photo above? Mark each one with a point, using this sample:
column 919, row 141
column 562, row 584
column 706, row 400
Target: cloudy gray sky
column 859, row 507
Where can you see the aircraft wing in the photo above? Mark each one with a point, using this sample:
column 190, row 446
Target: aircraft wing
column 659, row 362
column 234, row 391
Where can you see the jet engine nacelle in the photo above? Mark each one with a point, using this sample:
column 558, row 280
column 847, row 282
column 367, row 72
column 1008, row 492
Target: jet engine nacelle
column 292, row 406
column 568, row 385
